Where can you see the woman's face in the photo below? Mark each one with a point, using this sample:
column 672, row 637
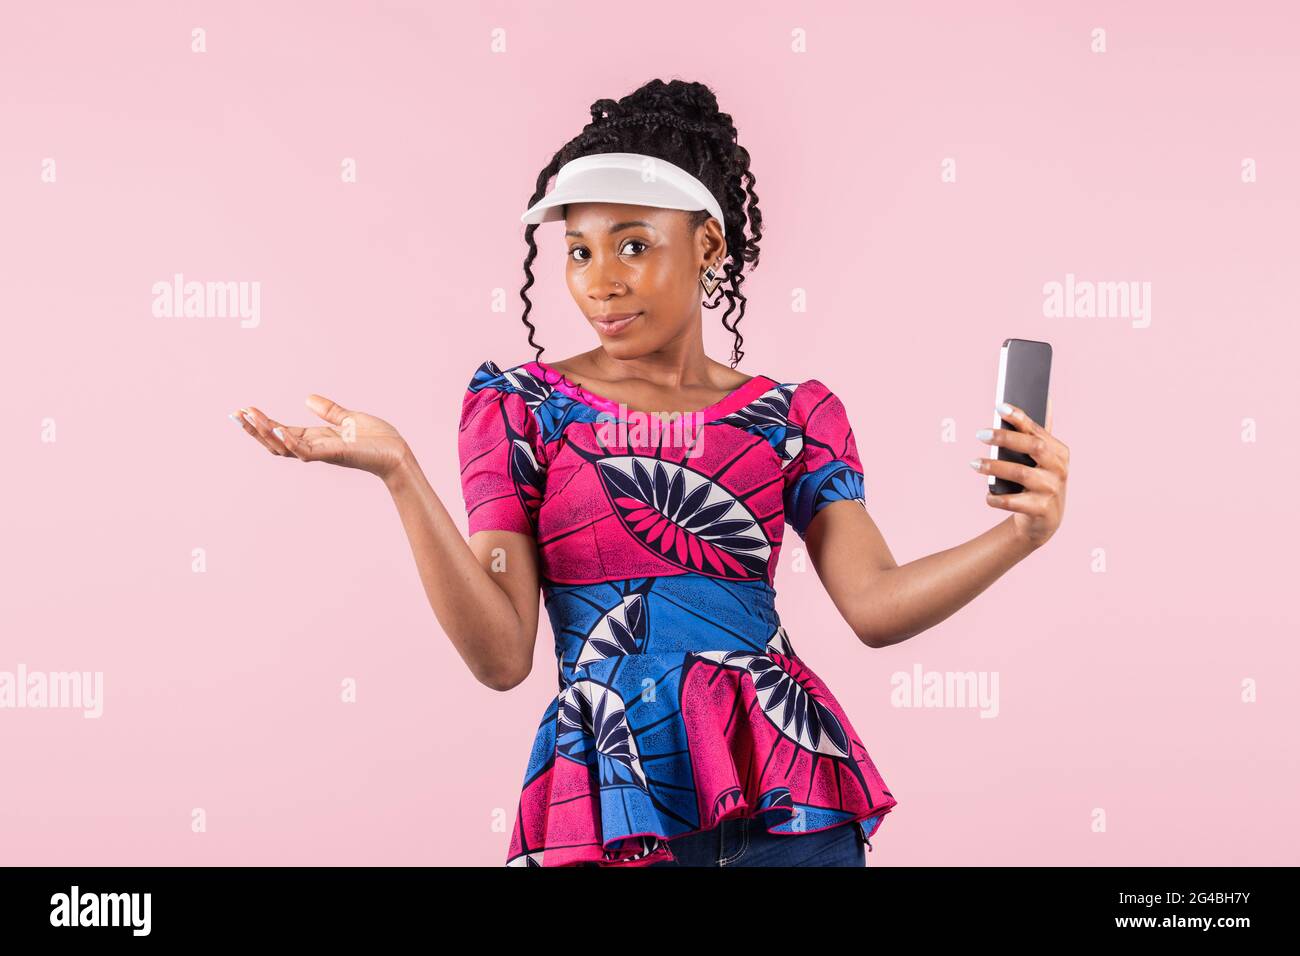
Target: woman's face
column 638, row 259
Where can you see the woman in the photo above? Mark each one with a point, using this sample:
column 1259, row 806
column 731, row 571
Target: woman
column 687, row 730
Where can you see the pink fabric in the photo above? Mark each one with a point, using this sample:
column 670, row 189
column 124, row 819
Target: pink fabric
column 682, row 701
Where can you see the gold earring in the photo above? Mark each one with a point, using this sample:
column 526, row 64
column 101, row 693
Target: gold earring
column 710, row 278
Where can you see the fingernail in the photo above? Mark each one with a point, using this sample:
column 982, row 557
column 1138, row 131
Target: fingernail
column 1004, row 408
column 279, row 432
column 984, row 434
column 232, row 417
column 975, row 463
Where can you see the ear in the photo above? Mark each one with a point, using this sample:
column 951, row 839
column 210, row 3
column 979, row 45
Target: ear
column 713, row 243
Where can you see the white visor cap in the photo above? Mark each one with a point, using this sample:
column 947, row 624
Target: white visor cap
column 634, row 179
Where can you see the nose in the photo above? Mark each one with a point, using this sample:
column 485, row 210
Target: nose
column 604, row 280
column 607, row 292
column 603, row 288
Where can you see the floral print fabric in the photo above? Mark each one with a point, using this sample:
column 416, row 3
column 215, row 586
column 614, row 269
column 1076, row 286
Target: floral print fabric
column 681, row 698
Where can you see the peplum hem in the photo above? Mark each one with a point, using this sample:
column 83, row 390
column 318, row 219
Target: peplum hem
column 637, row 750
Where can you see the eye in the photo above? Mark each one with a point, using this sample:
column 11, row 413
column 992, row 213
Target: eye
column 623, row 250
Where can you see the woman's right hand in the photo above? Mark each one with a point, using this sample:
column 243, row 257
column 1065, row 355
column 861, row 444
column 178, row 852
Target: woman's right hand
column 356, row 440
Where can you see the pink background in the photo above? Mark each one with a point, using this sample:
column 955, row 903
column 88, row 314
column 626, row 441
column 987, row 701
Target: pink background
column 1119, row 690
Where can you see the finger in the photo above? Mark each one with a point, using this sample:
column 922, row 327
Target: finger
column 1033, row 479
column 264, row 426
column 1027, row 504
column 279, row 432
column 1041, row 450
column 1027, row 425
column 294, row 440
column 241, row 418
column 319, row 444
column 308, row 444
column 1011, row 440
column 1020, row 419
column 331, row 411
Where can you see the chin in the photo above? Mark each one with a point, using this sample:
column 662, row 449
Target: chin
column 623, row 349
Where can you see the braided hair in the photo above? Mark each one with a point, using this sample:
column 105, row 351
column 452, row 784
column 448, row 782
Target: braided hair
column 678, row 122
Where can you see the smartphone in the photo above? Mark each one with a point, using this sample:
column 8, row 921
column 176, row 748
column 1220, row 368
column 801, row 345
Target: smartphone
column 1024, row 368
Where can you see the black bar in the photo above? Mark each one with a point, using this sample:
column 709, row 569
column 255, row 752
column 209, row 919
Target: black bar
column 459, row 906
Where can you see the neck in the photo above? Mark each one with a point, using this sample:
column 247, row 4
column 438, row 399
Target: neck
column 678, row 363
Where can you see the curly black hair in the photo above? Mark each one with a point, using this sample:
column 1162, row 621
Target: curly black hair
column 679, row 122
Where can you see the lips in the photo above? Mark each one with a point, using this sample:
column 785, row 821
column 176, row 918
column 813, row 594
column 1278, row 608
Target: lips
column 616, row 323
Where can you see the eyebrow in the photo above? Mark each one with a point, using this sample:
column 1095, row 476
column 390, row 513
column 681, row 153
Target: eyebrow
column 615, row 228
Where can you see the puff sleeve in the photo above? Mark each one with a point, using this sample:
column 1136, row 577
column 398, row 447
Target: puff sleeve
column 502, row 462
column 824, row 466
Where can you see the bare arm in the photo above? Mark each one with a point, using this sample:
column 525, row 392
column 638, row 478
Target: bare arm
column 886, row 603
column 484, row 593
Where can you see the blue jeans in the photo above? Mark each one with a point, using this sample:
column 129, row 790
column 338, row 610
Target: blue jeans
column 746, row 842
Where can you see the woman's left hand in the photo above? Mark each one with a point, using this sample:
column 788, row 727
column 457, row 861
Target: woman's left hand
column 1040, row 507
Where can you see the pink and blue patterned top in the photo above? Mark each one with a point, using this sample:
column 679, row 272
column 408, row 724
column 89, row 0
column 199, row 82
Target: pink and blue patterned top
column 682, row 701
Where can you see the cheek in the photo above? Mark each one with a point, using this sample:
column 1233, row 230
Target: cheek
column 666, row 283
column 573, row 278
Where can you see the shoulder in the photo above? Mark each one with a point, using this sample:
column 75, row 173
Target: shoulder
column 784, row 411
column 811, row 391
column 512, row 378
column 490, row 381
column 815, row 417
column 511, row 390
column 525, row 396
column 809, row 400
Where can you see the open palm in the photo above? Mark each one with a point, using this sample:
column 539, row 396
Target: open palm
column 352, row 439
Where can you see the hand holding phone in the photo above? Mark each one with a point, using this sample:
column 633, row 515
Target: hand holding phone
column 1027, row 473
column 1024, row 372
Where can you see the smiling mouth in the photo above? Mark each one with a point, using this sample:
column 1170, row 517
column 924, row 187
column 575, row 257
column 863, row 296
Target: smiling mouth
column 615, row 324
